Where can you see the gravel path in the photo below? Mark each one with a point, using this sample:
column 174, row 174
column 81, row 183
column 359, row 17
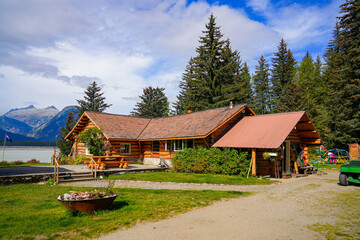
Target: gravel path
column 171, row 185
column 279, row 211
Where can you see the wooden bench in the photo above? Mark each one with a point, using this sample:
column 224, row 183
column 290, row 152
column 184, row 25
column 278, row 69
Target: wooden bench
column 306, row 170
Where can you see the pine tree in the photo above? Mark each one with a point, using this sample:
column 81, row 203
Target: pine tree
column 62, row 144
column 153, row 103
column 293, row 99
column 310, row 80
column 343, row 78
column 214, row 76
column 261, row 86
column 93, row 100
column 282, row 72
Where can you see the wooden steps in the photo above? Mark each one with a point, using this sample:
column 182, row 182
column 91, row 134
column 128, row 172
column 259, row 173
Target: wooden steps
column 74, row 177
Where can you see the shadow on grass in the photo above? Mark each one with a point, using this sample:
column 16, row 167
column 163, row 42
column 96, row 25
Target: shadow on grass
column 118, row 205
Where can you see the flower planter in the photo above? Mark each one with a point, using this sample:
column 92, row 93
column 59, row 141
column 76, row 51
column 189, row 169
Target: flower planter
column 286, row 176
column 88, row 205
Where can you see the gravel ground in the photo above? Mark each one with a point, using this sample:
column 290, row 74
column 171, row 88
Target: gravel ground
column 279, row 211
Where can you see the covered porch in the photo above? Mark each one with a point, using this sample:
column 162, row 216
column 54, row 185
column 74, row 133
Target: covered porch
column 283, row 135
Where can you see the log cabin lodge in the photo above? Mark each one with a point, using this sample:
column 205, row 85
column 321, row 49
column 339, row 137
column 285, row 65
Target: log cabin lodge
column 236, row 127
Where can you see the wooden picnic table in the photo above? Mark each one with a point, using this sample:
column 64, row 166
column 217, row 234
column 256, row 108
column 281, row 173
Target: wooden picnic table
column 110, row 161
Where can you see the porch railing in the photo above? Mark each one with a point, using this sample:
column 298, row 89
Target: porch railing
column 56, row 170
column 93, row 164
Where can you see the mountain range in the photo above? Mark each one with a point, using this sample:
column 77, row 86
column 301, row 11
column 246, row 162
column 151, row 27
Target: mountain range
column 33, row 124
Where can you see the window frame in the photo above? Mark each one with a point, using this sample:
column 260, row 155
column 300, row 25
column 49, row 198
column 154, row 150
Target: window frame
column 170, row 145
column 129, row 144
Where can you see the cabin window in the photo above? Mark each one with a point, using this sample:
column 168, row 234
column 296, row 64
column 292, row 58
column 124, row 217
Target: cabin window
column 179, row 144
column 156, row 146
column 169, row 145
column 125, row 148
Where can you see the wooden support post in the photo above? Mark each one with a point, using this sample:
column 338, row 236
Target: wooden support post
column 253, row 170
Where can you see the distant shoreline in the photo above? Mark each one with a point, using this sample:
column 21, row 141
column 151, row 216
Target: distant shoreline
column 26, row 144
column 27, row 153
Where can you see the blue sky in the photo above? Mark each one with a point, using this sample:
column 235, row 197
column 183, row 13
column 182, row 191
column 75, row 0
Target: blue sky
column 51, row 50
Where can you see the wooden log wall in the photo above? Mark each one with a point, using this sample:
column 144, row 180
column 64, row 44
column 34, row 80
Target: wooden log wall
column 218, row 133
column 146, row 148
column 267, row 167
column 134, row 145
column 81, row 149
column 294, row 137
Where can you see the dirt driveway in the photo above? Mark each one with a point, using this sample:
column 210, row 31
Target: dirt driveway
column 279, row 211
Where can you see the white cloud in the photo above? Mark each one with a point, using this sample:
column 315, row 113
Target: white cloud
column 302, row 26
column 55, row 48
column 258, row 5
column 19, row 89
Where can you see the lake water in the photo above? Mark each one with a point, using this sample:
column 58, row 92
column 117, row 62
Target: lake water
column 42, row 154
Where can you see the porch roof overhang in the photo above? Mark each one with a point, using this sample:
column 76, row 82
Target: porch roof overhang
column 270, row 131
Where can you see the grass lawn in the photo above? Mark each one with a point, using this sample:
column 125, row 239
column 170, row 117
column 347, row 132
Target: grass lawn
column 191, row 178
column 14, row 164
column 32, row 211
column 345, row 205
column 328, row 167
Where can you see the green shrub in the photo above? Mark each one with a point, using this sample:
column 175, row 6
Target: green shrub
column 80, row 158
column 91, row 137
column 33, row 161
column 4, row 164
column 213, row 161
column 17, row 162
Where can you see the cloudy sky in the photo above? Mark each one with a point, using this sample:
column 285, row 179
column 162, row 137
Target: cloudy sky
column 51, row 50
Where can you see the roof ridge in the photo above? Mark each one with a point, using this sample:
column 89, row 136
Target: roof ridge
column 284, row 113
column 114, row 114
column 138, row 137
column 183, row 114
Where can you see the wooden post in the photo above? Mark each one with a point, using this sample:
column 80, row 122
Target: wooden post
column 253, row 170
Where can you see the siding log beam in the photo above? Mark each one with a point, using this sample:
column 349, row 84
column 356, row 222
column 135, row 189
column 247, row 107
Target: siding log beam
column 253, row 170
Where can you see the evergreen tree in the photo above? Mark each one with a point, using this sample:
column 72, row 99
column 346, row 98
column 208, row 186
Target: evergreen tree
column 93, row 100
column 306, row 73
column 214, row 76
column 310, row 80
column 153, row 103
column 261, row 86
column 282, row 72
column 343, row 78
column 62, row 144
column 293, row 99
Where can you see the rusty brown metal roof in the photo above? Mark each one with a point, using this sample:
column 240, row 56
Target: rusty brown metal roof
column 188, row 125
column 266, row 131
column 118, row 126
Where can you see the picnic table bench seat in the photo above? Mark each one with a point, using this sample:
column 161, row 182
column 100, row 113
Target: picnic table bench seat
column 109, row 161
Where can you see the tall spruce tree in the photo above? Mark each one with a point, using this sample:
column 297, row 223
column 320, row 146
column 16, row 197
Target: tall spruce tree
column 261, row 92
column 153, row 103
column 282, row 72
column 311, row 82
column 62, row 144
column 214, row 77
column 294, row 100
column 343, row 78
column 93, row 100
